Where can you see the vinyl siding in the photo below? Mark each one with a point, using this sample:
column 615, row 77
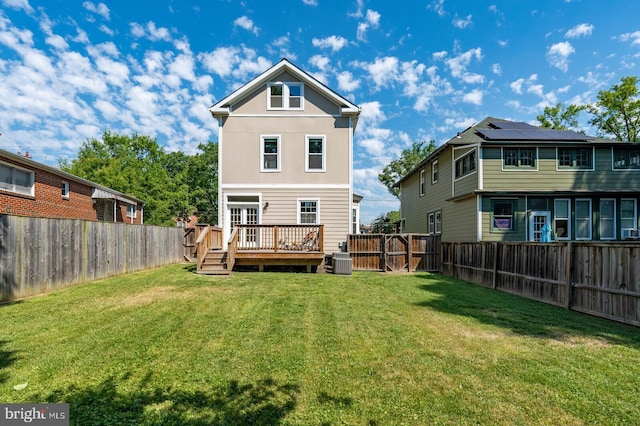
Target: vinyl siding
column 335, row 210
column 547, row 177
column 520, row 221
column 459, row 221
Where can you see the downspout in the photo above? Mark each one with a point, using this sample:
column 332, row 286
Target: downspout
column 115, row 204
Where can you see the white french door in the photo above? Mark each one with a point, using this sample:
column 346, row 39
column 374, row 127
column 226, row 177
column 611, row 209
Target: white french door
column 537, row 220
column 244, row 215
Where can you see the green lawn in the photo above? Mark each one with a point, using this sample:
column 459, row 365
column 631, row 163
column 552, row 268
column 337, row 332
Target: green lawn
column 167, row 346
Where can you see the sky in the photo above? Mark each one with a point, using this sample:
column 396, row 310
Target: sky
column 420, row 70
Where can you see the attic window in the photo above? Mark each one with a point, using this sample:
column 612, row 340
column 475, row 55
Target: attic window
column 285, row 96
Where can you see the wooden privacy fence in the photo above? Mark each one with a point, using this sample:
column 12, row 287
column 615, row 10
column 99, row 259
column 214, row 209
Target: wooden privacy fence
column 394, row 252
column 600, row 279
column 39, row 255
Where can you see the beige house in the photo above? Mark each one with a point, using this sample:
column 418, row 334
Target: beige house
column 285, row 146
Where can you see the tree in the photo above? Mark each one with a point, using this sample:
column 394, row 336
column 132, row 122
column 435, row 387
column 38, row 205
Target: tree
column 138, row 166
column 202, row 178
column 386, row 224
column 561, row 117
column 408, row 160
column 617, row 111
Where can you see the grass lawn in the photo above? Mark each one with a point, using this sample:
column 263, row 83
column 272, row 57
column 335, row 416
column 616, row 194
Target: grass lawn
column 167, row 346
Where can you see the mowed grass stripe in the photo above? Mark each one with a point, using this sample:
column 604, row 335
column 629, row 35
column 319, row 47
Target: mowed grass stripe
column 167, row 346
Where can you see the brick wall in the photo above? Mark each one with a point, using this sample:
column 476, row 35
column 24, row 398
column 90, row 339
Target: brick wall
column 49, row 202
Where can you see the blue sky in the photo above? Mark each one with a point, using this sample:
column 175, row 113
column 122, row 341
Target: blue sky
column 424, row 70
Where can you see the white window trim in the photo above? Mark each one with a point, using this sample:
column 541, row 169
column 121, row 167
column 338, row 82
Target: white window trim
column 298, row 213
column 568, row 219
column 285, row 96
column 469, row 173
column 324, row 153
column 613, row 164
column 635, row 211
column 422, row 182
column 431, row 224
column 438, row 222
column 65, row 184
column 262, row 153
column 590, row 237
column 615, row 230
column 135, row 211
column 576, row 169
column 520, row 168
column 32, row 183
column 434, row 164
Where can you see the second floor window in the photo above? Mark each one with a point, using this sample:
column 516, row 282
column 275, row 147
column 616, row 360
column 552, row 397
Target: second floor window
column 285, row 96
column 624, row 158
column 466, row 165
column 435, row 171
column 270, row 153
column 132, row 210
column 421, row 182
column 315, row 161
column 518, row 157
column 575, row 158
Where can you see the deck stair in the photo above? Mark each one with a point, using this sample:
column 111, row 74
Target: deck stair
column 215, row 263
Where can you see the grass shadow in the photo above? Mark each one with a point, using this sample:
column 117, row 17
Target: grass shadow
column 520, row 315
column 191, row 267
column 112, row 401
column 6, row 359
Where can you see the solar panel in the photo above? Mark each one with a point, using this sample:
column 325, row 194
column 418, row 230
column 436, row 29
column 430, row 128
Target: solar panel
column 511, row 125
column 531, row 134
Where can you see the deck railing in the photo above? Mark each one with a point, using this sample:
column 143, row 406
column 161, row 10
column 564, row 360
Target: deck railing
column 209, row 238
column 281, row 238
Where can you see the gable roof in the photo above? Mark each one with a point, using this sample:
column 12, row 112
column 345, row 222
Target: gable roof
column 223, row 106
column 498, row 131
column 98, row 192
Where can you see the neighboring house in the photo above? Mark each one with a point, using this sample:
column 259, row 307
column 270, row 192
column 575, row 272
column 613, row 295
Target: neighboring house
column 285, row 146
column 504, row 181
column 28, row 188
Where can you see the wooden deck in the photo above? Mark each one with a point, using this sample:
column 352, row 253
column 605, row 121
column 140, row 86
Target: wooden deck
column 260, row 246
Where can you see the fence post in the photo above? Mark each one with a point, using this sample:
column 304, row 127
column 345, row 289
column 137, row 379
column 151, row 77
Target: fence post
column 567, row 272
column 495, row 264
column 409, row 253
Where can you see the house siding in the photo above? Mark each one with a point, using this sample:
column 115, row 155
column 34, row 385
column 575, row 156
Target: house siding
column 459, row 220
column 334, row 209
column 47, row 200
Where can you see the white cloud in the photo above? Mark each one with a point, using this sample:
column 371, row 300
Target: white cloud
column 247, row 24
column 634, row 37
column 473, row 97
column 99, row 9
column 372, row 20
column 18, row 4
column 462, row 22
column 310, row 2
column 321, row 62
column 581, row 30
column 137, row 30
column 335, row 43
column 496, row 69
column 438, row 7
column 558, row 55
column 383, row 71
column 346, row 82
column 517, row 85
column 458, row 66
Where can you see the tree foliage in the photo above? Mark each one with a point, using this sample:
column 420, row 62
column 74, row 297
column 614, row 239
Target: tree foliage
column 561, row 117
column 386, row 223
column 408, row 160
column 138, row 166
column 616, row 114
column 617, row 111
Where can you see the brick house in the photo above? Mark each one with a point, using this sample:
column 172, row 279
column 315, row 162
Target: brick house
column 29, row 188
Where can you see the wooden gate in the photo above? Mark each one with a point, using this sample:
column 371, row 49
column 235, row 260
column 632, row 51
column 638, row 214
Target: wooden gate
column 396, row 249
column 394, row 252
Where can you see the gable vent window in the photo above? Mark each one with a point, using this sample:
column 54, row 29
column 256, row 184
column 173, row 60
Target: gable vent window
column 285, row 96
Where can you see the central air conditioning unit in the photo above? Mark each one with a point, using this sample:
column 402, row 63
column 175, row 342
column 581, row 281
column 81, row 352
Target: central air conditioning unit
column 630, row 234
